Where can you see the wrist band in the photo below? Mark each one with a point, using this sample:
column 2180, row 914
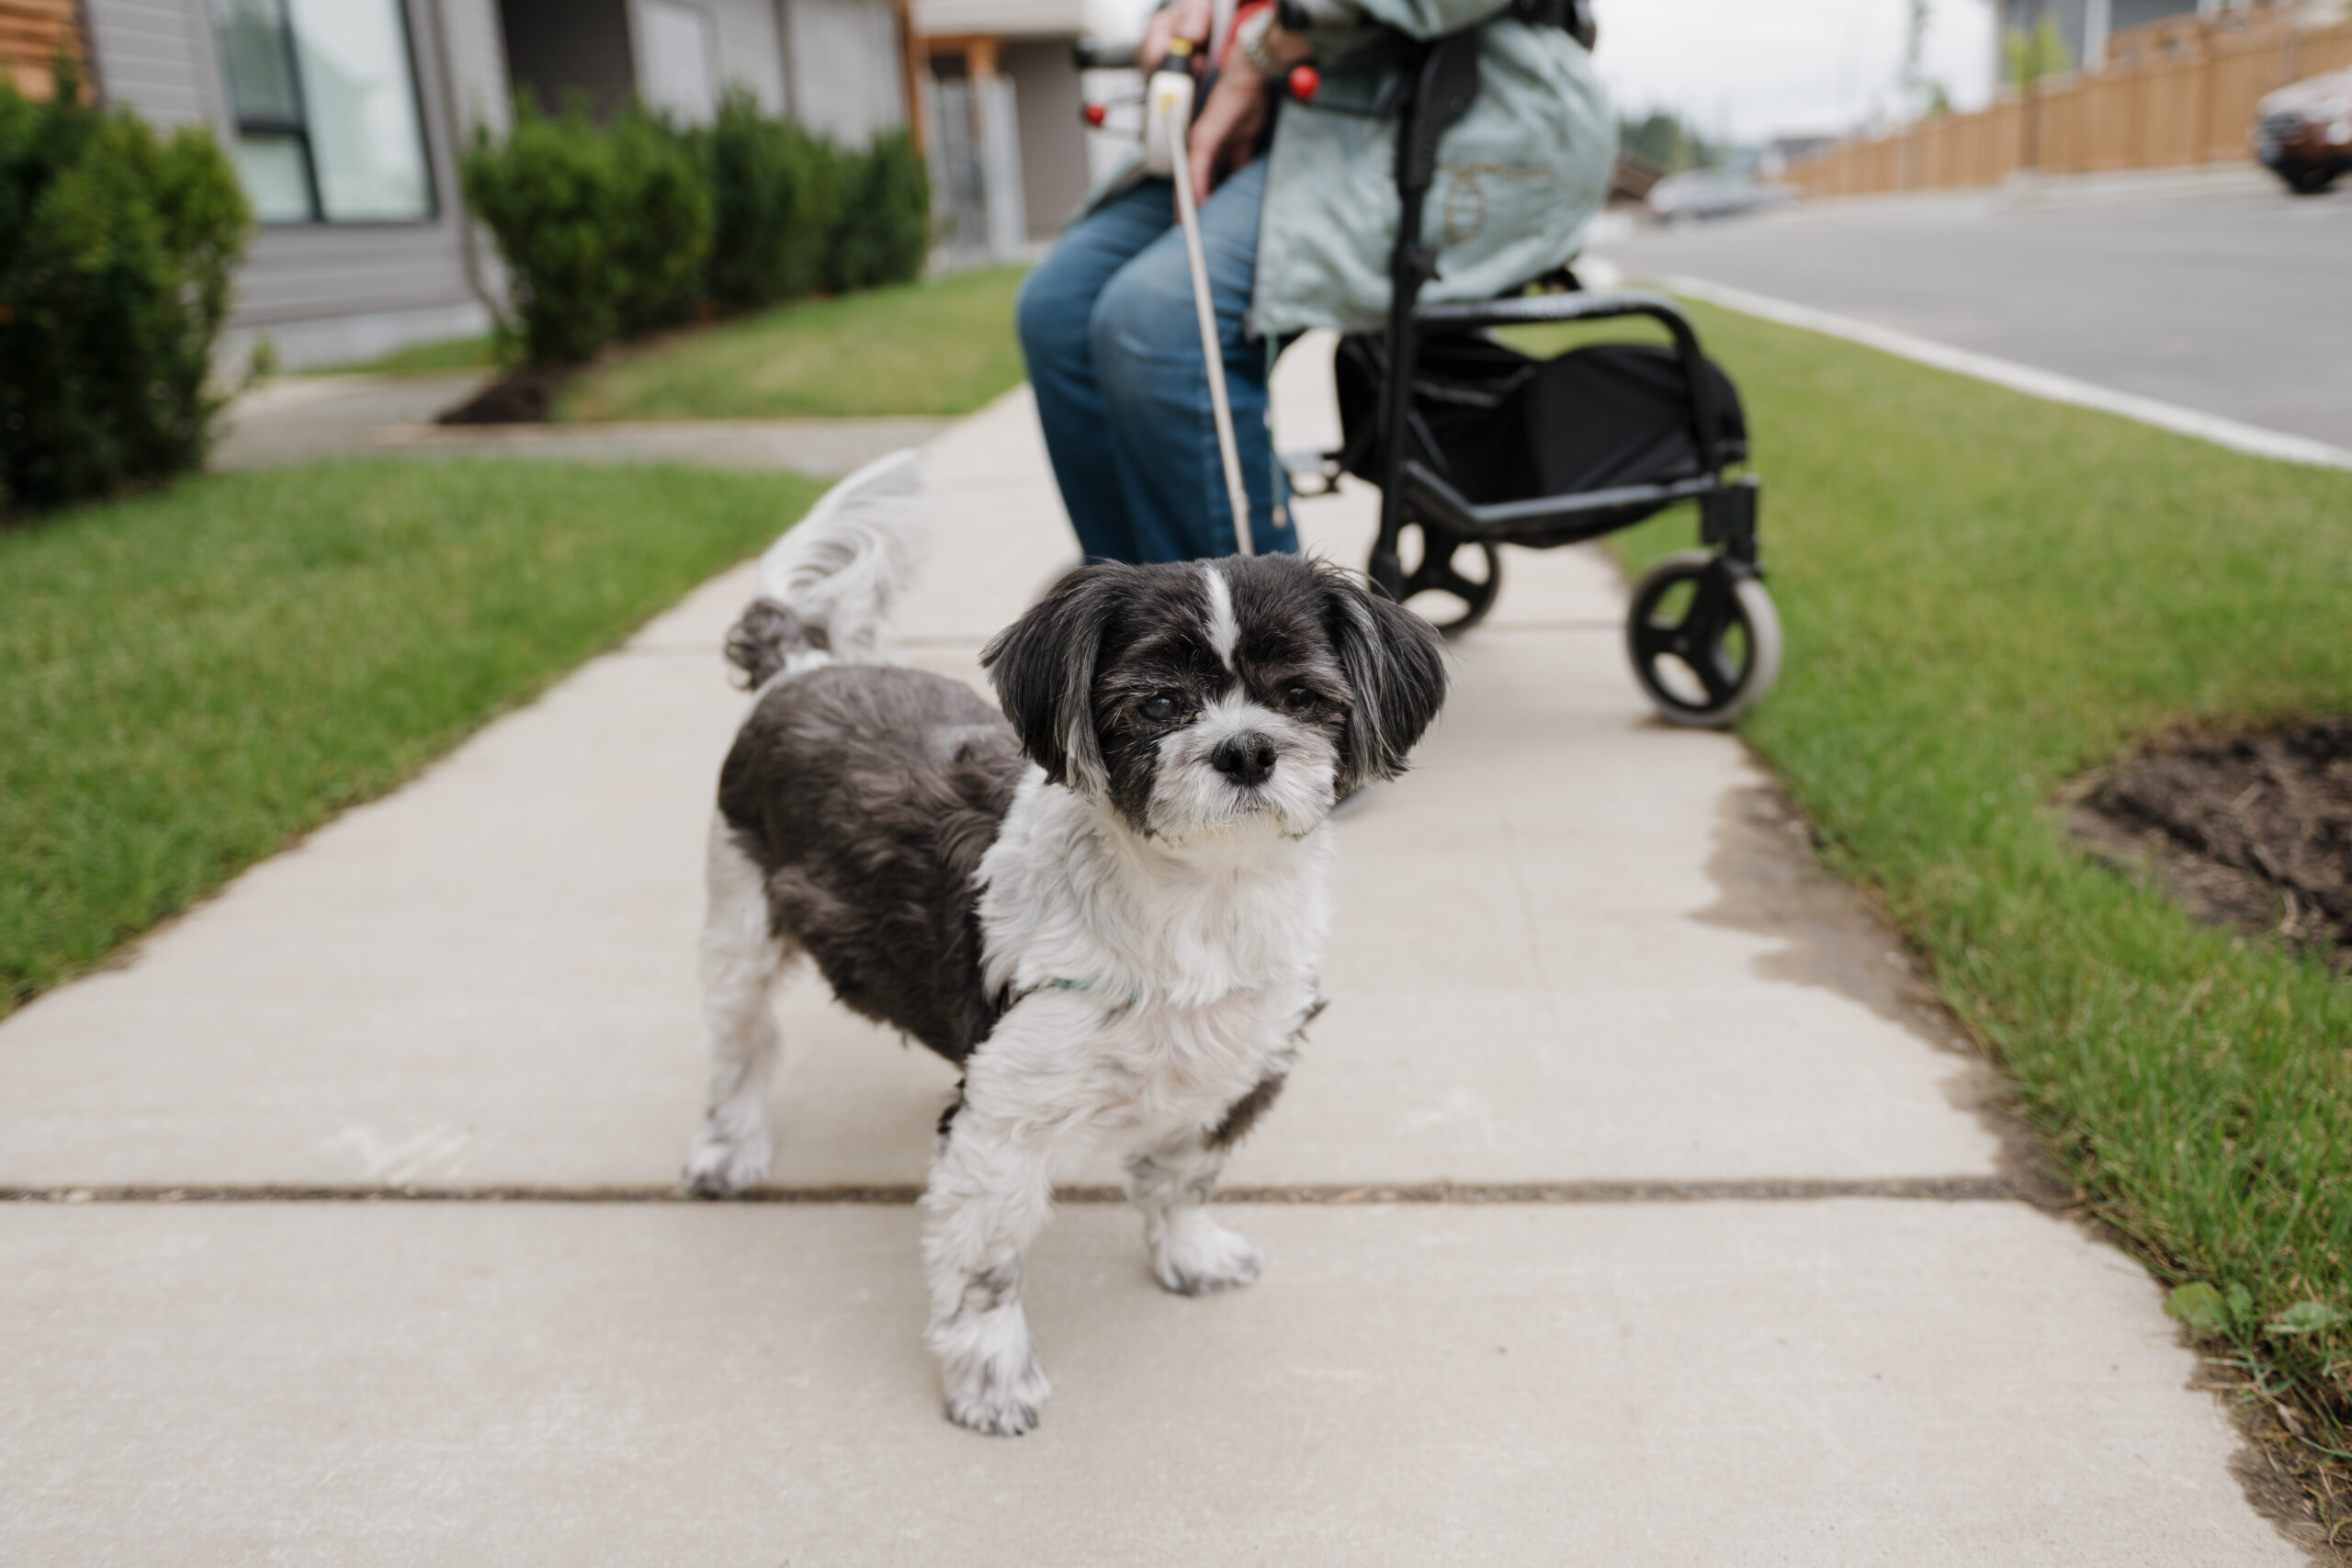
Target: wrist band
column 1249, row 38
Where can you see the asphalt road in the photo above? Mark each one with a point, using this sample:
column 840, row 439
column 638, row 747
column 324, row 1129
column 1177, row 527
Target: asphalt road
column 2231, row 302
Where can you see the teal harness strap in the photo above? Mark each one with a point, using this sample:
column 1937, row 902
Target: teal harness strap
column 1059, row 985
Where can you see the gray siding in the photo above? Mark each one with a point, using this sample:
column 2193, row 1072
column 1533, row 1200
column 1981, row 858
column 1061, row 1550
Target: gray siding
column 474, row 64
column 298, row 272
column 847, row 81
column 751, row 49
column 155, row 57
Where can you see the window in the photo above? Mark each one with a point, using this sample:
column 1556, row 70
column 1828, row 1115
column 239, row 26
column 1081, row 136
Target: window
column 325, row 103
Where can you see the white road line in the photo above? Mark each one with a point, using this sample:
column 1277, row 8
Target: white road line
column 2023, row 379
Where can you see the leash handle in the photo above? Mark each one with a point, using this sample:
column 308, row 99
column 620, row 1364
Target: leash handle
column 1171, row 112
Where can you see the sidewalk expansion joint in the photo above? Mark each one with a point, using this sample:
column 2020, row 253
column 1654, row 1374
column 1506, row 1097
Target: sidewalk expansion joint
column 1932, row 1188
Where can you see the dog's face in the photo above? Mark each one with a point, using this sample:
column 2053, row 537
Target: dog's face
column 1217, row 697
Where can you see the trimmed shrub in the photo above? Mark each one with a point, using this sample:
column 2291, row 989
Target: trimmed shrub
column 661, row 237
column 604, row 231
column 612, row 232
column 776, row 196
column 885, row 229
column 117, row 249
column 548, row 195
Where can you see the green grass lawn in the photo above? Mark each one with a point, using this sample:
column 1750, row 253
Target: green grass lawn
column 190, row 680
column 942, row 346
column 1985, row 594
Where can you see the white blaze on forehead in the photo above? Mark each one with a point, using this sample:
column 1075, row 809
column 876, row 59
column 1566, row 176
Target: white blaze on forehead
column 1224, row 631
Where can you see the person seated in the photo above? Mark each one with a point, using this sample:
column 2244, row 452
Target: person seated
column 1298, row 214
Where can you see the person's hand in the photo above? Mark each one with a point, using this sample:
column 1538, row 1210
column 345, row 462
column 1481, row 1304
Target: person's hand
column 1225, row 130
column 1184, row 19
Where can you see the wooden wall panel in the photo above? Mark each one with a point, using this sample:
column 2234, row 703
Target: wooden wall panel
column 2176, row 95
column 31, row 34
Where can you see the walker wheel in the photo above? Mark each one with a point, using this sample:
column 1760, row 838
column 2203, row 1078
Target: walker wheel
column 1704, row 639
column 1448, row 581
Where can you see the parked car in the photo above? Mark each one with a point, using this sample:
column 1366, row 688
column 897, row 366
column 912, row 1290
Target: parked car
column 2303, row 133
column 1713, row 193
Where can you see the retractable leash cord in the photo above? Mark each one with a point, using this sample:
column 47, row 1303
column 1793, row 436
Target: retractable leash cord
column 1167, row 115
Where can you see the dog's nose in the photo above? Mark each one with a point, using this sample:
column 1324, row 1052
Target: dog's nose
column 1247, row 760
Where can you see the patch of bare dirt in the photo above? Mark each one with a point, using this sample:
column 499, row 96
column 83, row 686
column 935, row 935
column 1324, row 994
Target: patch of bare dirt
column 520, row 396
column 2251, row 829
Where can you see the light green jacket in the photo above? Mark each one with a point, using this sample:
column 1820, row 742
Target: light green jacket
column 1520, row 176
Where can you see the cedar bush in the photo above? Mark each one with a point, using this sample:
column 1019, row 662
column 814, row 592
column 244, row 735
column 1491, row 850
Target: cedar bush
column 661, row 237
column 117, row 248
column 548, row 195
column 884, row 231
column 776, row 195
column 611, row 233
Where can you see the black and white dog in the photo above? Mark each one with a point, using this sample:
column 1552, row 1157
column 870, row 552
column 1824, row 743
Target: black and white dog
column 1109, row 913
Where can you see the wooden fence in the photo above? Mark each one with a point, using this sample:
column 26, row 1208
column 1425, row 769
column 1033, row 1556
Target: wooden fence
column 2173, row 95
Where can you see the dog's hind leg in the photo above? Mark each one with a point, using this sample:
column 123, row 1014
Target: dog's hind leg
column 1172, row 1181
column 741, row 961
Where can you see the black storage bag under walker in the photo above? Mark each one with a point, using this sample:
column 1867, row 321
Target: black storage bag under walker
column 1509, row 427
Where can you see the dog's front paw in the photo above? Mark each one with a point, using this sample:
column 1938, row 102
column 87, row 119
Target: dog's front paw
column 992, row 1381
column 1005, row 1410
column 1199, row 1258
column 722, row 1162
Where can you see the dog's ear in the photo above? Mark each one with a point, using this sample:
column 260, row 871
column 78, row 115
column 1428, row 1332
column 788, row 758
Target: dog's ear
column 1396, row 663
column 1042, row 668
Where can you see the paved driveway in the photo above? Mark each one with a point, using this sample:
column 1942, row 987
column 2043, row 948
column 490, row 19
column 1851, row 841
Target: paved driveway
column 2230, row 302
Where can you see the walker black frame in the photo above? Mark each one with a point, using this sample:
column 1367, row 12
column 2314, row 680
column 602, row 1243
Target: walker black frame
column 1436, row 88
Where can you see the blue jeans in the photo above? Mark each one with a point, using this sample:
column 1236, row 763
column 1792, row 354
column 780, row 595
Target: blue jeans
column 1115, row 355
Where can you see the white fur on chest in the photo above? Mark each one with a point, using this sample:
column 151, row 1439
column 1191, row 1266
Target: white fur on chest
column 1172, row 977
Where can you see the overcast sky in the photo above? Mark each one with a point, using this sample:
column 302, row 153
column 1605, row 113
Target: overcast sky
column 1763, row 68
column 1755, row 68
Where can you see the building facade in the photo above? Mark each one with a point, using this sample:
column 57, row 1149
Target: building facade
column 1001, row 99
column 345, row 117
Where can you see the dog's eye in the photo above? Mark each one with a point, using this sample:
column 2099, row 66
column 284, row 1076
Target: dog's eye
column 1161, row 706
column 1297, row 699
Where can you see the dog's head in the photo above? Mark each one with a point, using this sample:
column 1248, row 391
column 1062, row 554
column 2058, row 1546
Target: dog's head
column 1221, row 696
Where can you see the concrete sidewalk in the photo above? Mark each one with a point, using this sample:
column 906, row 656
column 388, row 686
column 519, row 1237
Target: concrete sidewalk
column 1739, row 1280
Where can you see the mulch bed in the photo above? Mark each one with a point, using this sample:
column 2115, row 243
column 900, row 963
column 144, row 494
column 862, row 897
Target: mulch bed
column 2251, row 829
column 520, row 396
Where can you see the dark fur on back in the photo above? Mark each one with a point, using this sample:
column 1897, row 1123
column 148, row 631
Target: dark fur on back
column 866, row 794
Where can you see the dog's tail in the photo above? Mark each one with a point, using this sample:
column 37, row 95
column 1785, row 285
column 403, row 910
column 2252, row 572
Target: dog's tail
column 826, row 587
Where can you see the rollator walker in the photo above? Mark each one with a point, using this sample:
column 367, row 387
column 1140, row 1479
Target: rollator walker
column 1474, row 444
